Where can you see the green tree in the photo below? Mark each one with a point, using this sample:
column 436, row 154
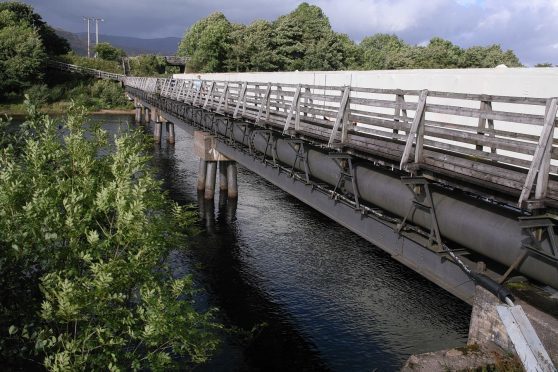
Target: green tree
column 439, row 53
column 299, row 31
column 147, row 65
column 53, row 44
column 332, row 52
column 488, row 57
column 260, row 46
column 86, row 235
column 207, row 43
column 237, row 57
column 21, row 54
column 384, row 52
column 108, row 52
column 545, row 64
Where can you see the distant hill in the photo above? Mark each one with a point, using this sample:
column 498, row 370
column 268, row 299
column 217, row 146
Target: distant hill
column 131, row 45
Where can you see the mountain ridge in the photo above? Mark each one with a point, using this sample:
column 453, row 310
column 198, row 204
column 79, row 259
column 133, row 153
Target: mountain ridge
column 131, row 45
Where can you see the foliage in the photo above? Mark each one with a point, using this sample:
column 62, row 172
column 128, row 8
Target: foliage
column 53, row 44
column 108, row 52
column 304, row 40
column 21, row 53
column 207, row 43
column 147, row 65
column 86, row 233
column 94, row 63
column 545, row 64
column 488, row 57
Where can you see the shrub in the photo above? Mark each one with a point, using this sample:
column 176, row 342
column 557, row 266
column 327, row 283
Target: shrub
column 86, row 235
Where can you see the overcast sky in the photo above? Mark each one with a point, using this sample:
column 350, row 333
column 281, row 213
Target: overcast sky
column 529, row 27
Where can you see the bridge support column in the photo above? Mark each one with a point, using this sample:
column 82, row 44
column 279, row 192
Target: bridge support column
column 210, row 159
column 154, row 115
column 138, row 114
column 211, row 174
column 201, row 175
column 146, row 115
column 232, row 186
column 223, row 183
column 158, row 126
column 170, row 133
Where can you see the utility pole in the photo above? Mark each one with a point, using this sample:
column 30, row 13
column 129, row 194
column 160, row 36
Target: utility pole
column 97, row 33
column 88, row 38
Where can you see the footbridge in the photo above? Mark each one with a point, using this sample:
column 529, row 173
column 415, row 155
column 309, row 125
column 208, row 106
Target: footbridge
column 460, row 187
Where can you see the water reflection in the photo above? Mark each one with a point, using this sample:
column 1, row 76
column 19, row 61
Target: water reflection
column 328, row 299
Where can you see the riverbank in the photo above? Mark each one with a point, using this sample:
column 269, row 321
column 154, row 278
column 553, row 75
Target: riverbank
column 58, row 108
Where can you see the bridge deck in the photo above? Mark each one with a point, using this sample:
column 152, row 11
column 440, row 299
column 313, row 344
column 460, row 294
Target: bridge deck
column 504, row 144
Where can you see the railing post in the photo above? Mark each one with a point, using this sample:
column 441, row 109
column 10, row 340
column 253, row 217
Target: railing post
column 294, row 106
column 265, row 103
column 540, row 165
column 209, row 94
column 224, row 97
column 241, row 98
column 400, row 109
column 417, row 129
column 341, row 118
column 484, row 123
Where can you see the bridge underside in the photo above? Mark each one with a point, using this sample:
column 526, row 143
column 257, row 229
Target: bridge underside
column 411, row 247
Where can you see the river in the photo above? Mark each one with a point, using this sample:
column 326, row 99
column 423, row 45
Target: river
column 317, row 296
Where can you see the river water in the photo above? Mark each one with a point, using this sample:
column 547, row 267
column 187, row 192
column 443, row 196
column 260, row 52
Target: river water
column 316, row 296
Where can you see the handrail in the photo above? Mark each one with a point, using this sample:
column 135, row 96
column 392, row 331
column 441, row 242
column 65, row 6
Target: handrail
column 486, row 139
column 85, row 70
column 494, row 141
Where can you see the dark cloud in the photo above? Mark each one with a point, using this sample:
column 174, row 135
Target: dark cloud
column 527, row 27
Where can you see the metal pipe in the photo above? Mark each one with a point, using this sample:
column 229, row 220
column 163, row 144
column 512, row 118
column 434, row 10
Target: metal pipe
column 486, row 229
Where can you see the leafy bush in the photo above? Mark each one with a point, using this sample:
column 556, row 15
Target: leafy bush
column 94, row 63
column 109, row 53
column 109, row 93
column 86, row 234
column 38, row 94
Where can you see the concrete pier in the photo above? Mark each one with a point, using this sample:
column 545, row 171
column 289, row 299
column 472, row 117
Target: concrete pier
column 157, row 129
column 204, row 147
column 138, row 114
column 170, row 133
column 223, row 183
column 146, row 116
column 232, row 186
column 210, row 176
column 201, row 175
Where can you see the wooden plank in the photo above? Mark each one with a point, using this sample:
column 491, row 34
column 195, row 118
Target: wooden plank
column 385, row 91
column 494, row 115
column 527, row 344
column 490, row 98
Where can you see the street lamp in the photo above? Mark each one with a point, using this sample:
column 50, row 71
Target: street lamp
column 97, row 33
column 88, row 19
